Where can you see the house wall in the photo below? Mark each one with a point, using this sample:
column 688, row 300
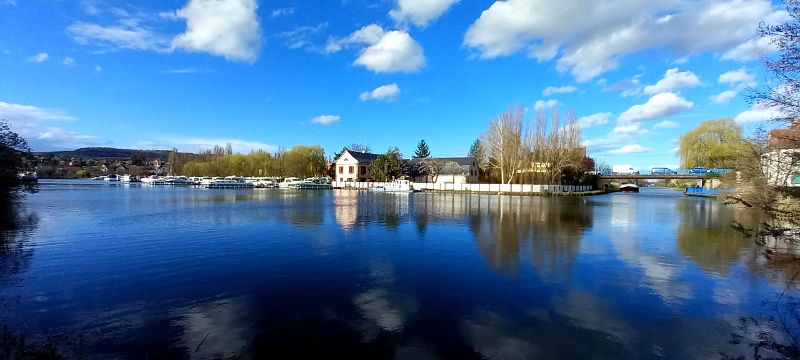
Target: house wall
column 780, row 167
column 360, row 169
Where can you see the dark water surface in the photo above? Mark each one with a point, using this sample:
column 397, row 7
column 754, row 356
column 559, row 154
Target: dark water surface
column 132, row 272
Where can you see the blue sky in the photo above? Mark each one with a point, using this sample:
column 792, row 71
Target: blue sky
column 262, row 74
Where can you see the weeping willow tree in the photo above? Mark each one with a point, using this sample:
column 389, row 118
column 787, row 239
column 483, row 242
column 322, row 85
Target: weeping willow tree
column 712, row 144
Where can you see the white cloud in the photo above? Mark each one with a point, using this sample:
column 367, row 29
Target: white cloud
column 627, row 87
column 97, row 7
column 673, row 80
column 550, row 90
column 228, row 28
column 325, row 119
column 610, row 30
column 128, row 34
column 594, row 120
column 188, row 71
column 98, row 68
column 750, row 50
column 40, row 57
column 740, row 77
column 629, row 129
column 630, row 149
column 301, row 37
column 27, row 113
column 30, row 122
column 388, row 51
column 385, row 92
column 541, row 104
column 608, row 142
column 8, row 2
column 281, row 12
column 666, row 124
column 759, row 112
column 724, row 96
column 419, row 12
column 68, row 61
column 659, row 106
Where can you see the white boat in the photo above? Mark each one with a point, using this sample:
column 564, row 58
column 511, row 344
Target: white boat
column 129, row 178
column 290, row 183
column 264, row 183
column 153, row 180
column 397, row 186
column 178, row 181
column 111, row 177
column 28, row 177
column 310, row 183
column 230, row 182
column 99, row 178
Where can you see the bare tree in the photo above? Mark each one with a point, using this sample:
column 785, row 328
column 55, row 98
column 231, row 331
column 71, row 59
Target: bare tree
column 433, row 167
column 785, row 69
column 556, row 148
column 356, row 147
column 504, row 143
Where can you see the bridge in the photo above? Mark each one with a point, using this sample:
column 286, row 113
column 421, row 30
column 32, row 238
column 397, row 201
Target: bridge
column 686, row 174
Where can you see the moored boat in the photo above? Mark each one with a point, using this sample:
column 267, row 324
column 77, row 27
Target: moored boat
column 153, row 180
column 230, row 182
column 28, row 177
column 314, row 183
column 111, row 177
column 397, row 186
column 178, row 181
column 290, row 183
column 129, row 178
column 629, row 188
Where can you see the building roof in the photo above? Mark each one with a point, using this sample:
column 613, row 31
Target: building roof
column 785, row 138
column 463, row 161
column 462, row 168
column 360, row 156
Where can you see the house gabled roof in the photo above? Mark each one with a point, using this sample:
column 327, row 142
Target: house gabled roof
column 464, row 164
column 785, row 138
column 463, row 161
column 359, row 156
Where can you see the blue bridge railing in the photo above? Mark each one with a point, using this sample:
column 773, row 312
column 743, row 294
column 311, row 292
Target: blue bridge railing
column 694, row 171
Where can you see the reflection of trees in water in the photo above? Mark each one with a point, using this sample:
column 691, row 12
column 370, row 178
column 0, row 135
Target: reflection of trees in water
column 303, row 207
column 705, row 234
column 552, row 228
column 15, row 226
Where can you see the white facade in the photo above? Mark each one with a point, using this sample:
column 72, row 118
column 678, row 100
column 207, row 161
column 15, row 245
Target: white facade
column 353, row 167
column 781, row 167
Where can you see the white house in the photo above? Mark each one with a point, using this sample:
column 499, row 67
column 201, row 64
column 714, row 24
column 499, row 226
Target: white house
column 353, row 166
column 457, row 170
column 781, row 164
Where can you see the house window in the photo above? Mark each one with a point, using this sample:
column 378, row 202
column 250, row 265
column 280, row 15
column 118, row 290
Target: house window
column 341, row 169
column 363, row 170
column 341, row 179
column 352, row 169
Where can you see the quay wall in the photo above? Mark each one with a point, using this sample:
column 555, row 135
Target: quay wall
column 487, row 188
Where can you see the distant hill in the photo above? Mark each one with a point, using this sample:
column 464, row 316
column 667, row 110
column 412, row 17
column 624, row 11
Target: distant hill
column 108, row 153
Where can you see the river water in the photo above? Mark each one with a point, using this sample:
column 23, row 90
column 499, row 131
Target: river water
column 135, row 272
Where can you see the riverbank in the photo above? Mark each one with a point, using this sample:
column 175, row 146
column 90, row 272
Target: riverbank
column 543, row 193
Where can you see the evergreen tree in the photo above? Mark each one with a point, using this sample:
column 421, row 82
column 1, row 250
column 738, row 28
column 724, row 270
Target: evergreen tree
column 387, row 166
column 422, row 151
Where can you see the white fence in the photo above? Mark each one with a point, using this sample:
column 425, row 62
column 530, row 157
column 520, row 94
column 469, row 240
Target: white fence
column 493, row 188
